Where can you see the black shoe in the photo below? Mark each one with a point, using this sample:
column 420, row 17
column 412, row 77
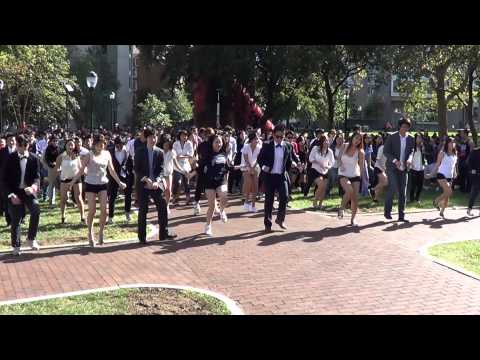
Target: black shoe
column 403, row 220
column 280, row 224
column 388, row 216
column 268, row 229
column 142, row 241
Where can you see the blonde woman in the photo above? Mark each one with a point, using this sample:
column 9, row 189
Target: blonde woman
column 96, row 182
column 69, row 165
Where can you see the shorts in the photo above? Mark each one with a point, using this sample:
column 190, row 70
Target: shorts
column 95, row 188
column 69, row 180
column 315, row 175
column 442, row 177
column 352, row 179
column 211, row 185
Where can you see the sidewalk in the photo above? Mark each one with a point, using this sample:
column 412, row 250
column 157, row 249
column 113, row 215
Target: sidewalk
column 319, row 266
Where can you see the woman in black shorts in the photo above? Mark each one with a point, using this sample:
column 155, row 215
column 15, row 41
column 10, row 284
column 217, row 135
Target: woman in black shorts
column 446, row 169
column 97, row 162
column 322, row 160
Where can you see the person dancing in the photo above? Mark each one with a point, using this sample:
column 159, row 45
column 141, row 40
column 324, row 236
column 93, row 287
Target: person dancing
column 379, row 171
column 251, row 171
column 96, row 183
column 69, row 165
column 322, row 159
column 446, row 169
column 351, row 164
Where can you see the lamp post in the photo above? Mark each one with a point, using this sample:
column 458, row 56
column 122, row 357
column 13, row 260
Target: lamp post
column 346, row 109
column 92, row 80
column 218, row 108
column 112, row 99
column 68, row 89
column 2, row 84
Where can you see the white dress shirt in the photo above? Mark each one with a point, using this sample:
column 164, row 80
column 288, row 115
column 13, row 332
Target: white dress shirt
column 185, row 150
column 120, row 156
column 417, row 163
column 278, row 160
column 403, row 145
column 23, row 166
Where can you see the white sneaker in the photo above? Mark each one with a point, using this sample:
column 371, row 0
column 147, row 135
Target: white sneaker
column 34, row 245
column 253, row 209
column 223, row 216
column 208, row 230
column 16, row 251
column 354, row 223
column 469, row 212
column 110, row 221
column 128, row 216
column 196, row 209
column 247, row 206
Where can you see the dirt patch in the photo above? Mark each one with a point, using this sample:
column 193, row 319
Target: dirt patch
column 172, row 302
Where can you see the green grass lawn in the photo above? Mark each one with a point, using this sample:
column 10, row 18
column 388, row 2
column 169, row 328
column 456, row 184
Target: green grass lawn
column 367, row 206
column 52, row 232
column 143, row 301
column 465, row 254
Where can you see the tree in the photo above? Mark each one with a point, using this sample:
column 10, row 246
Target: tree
column 441, row 65
column 153, row 112
column 179, row 107
column 35, row 76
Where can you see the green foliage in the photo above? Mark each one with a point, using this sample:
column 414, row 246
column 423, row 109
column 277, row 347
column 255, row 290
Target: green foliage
column 34, row 77
column 179, row 107
column 153, row 112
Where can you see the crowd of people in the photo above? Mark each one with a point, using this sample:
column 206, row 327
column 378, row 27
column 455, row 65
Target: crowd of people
column 156, row 166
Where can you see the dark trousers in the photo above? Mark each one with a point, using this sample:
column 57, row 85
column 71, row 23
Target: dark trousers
column 397, row 183
column 272, row 184
column 234, row 178
column 200, row 187
column 113, row 193
column 463, row 176
column 416, row 184
column 309, row 183
column 17, row 213
column 177, row 178
column 144, row 196
column 475, row 189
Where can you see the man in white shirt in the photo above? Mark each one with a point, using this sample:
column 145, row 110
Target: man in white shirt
column 398, row 150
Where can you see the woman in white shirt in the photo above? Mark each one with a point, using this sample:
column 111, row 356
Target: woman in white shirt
column 169, row 164
column 417, row 169
column 446, row 169
column 69, row 165
column 351, row 164
column 184, row 150
column 251, row 171
column 322, row 160
column 380, row 171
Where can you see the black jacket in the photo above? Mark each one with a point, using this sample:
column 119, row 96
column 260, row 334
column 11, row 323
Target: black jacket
column 117, row 166
column 142, row 167
column 12, row 173
column 51, row 154
column 266, row 157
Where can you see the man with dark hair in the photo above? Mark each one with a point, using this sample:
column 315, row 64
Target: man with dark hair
column 150, row 184
column 275, row 159
column 398, row 150
column 202, row 151
column 4, row 153
column 310, row 178
column 21, row 179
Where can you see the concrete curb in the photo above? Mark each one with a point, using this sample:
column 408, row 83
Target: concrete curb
column 229, row 303
column 423, row 251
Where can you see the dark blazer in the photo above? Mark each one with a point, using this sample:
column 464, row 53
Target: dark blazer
column 266, row 157
column 12, row 173
column 141, row 164
column 391, row 149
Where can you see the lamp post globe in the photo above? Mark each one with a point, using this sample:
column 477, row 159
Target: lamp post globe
column 112, row 100
column 92, row 80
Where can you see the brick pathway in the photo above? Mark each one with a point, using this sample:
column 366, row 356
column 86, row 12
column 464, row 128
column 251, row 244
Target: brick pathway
column 319, row 266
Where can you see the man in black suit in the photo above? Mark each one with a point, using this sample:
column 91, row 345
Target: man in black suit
column 398, row 150
column 275, row 159
column 4, row 153
column 120, row 162
column 21, row 178
column 148, row 166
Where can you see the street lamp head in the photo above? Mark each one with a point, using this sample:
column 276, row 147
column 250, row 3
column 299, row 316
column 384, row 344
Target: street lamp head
column 2, row 84
column 92, row 80
column 69, row 87
column 112, row 95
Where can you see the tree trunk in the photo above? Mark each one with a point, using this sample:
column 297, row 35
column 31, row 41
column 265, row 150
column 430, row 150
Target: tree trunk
column 471, row 124
column 330, row 102
column 441, row 102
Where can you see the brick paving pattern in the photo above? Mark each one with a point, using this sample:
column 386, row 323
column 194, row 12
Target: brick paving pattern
column 319, row 266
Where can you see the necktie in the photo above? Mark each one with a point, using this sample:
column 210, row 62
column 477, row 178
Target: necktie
column 23, row 157
column 279, row 145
